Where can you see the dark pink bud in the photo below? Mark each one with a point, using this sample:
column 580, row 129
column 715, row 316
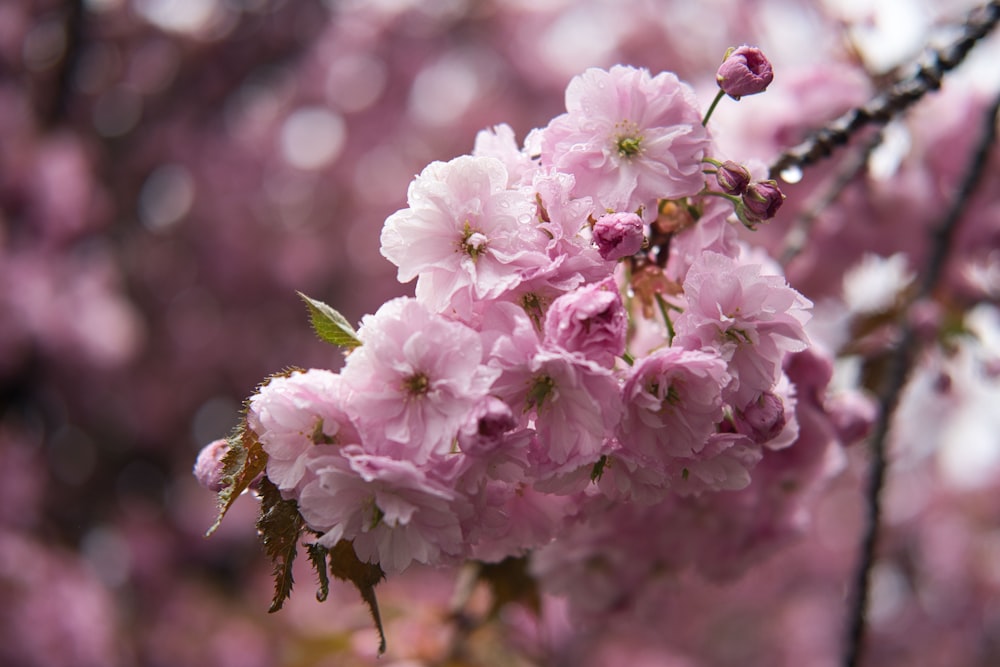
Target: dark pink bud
column 744, row 71
column 762, row 420
column 733, row 178
column 761, row 201
column 208, row 467
column 618, row 235
column 485, row 426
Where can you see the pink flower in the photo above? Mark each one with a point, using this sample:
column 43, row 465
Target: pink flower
column 294, row 414
column 619, row 235
column 485, row 426
column 763, row 419
column 673, row 401
column 465, row 237
column 590, row 321
column 723, row 465
column 628, row 138
column 208, row 467
column 744, row 71
column 752, row 318
column 415, row 380
column 573, row 404
column 395, row 512
column 498, row 142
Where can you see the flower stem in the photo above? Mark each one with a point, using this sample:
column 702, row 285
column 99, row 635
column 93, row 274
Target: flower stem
column 711, row 107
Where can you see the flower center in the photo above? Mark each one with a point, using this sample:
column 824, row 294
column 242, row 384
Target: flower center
column 417, row 384
column 541, row 388
column 474, row 243
column 628, row 141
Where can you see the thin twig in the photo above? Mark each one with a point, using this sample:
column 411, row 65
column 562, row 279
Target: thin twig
column 900, row 364
column 899, row 97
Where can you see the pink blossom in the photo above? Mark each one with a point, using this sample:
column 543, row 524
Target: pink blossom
column 619, row 235
column 590, row 321
column 724, row 464
column 395, row 512
column 465, row 236
column 415, row 380
column 573, row 404
column 294, row 414
column 752, row 318
column 511, row 519
column 208, row 466
column 498, row 142
column 628, row 138
column 762, row 419
column 673, row 401
column 485, row 426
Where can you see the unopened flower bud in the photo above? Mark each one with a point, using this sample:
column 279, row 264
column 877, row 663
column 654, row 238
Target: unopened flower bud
column 208, row 466
column 618, row 235
column 744, row 71
column 733, row 178
column 762, row 420
column 761, row 201
column 590, row 321
column 485, row 426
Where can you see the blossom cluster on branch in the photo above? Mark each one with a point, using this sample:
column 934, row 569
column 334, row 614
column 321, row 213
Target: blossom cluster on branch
column 592, row 358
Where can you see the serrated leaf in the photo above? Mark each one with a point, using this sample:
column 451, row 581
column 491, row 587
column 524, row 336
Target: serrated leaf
column 280, row 526
column 317, row 556
column 243, row 462
column 330, row 325
column 346, row 566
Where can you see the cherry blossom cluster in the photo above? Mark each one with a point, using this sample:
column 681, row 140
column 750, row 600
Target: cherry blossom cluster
column 552, row 353
column 591, row 351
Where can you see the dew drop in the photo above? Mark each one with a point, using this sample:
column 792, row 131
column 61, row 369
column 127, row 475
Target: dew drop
column 791, row 174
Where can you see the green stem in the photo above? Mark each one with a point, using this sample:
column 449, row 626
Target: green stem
column 666, row 318
column 711, row 108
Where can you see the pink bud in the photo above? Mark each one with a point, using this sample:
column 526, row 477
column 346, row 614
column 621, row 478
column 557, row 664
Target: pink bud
column 761, row 201
column 733, row 178
column 762, row 420
column 745, row 71
column 618, row 235
column 485, row 426
column 591, row 321
column 208, row 467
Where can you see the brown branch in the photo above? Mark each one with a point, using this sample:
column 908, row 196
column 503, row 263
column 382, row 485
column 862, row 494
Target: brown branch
column 899, row 97
column 900, row 364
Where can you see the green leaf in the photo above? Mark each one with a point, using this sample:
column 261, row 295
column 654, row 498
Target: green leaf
column 243, row 462
column 317, row 556
column 330, row 325
column 280, row 525
column 346, row 566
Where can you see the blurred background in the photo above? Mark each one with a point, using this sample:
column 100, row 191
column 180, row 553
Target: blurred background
column 173, row 171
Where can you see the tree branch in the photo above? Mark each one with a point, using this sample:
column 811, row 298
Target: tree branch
column 899, row 97
column 899, row 367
